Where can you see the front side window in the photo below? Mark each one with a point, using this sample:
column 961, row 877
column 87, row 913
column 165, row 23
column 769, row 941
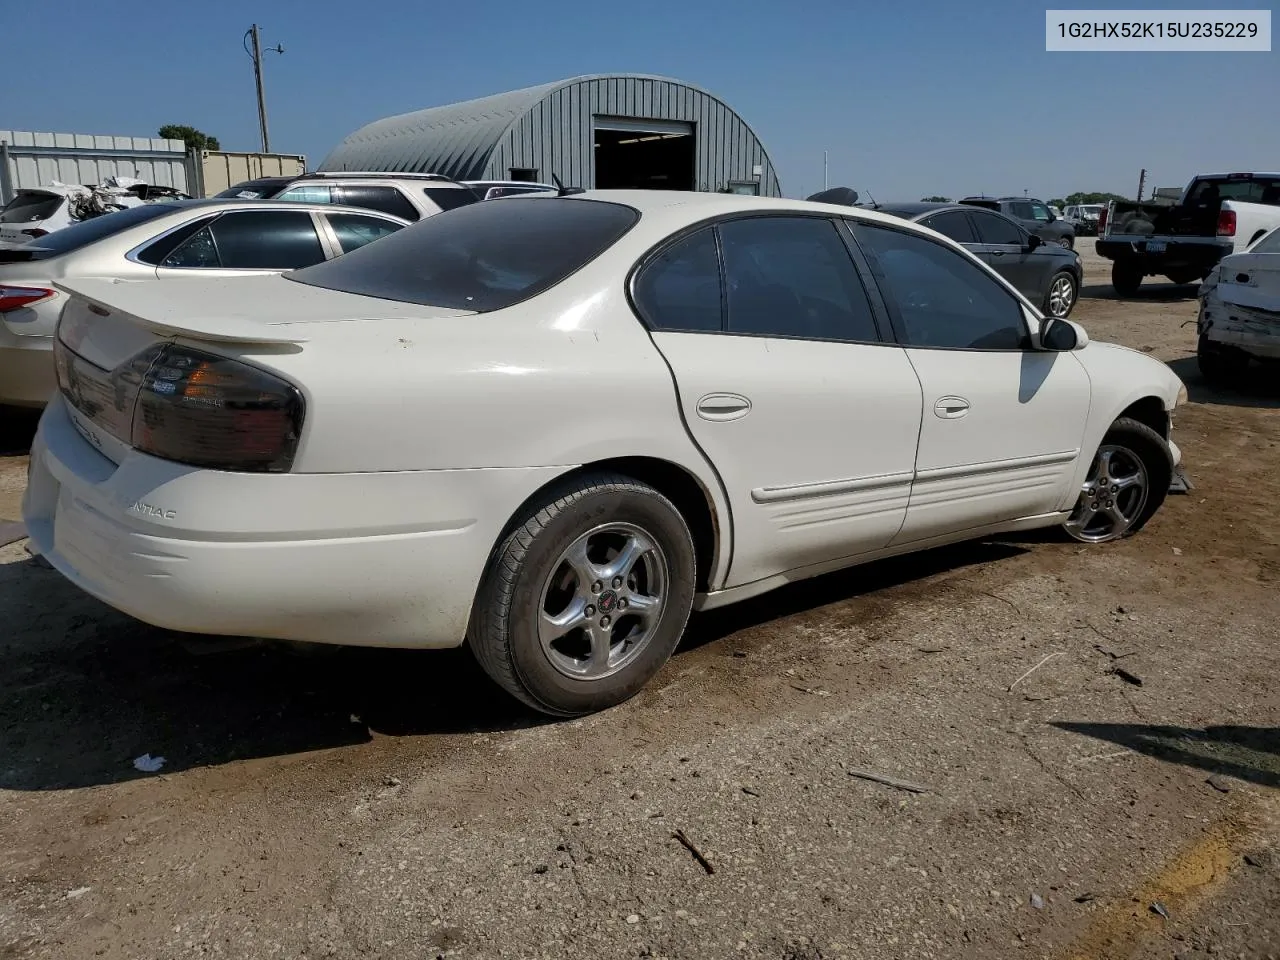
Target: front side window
column 354, row 231
column 679, row 289
column 383, row 199
column 943, row 299
column 793, row 277
column 953, row 224
column 1021, row 209
column 1040, row 212
column 481, row 257
column 995, row 229
column 308, row 193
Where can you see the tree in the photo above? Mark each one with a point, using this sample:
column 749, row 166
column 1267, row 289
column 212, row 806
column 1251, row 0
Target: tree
column 1078, row 198
column 1057, row 202
column 935, row 200
column 193, row 138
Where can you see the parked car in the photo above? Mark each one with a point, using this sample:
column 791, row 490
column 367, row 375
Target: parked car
column 561, row 422
column 409, row 196
column 1218, row 214
column 1084, row 218
column 493, row 189
column 1055, row 210
column 1035, row 217
column 164, row 241
column 36, row 212
column 1239, row 316
column 1047, row 274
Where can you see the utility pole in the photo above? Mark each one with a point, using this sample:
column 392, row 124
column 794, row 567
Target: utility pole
column 256, row 54
column 1142, row 182
column 824, row 170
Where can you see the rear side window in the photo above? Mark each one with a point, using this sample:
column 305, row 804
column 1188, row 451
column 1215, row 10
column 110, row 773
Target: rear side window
column 308, row 193
column 953, row 224
column 383, row 199
column 943, row 299
column 354, row 231
column 28, row 207
column 793, row 277
column 447, row 198
column 679, row 289
column 997, row 230
column 252, row 240
column 1251, row 190
column 481, row 257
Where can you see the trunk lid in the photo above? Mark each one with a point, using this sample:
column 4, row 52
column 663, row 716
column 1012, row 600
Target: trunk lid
column 1251, row 280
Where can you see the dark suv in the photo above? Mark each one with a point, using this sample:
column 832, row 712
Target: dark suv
column 1035, row 215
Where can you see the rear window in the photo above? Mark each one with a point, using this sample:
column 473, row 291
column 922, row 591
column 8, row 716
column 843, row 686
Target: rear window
column 27, row 207
column 86, row 232
column 450, row 198
column 1252, row 190
column 481, row 257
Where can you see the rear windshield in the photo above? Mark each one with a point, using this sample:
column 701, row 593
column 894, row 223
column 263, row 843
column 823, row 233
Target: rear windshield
column 1253, row 190
column 253, row 190
column 26, row 207
column 87, row 231
column 481, row 257
column 1268, row 244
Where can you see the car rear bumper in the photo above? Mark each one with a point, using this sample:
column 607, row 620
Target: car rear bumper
column 1199, row 257
column 378, row 559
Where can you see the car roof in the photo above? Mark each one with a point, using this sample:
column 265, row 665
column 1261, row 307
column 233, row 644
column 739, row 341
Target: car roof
column 234, row 203
column 911, row 209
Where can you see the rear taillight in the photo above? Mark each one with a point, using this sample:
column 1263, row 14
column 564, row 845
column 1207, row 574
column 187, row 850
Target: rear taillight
column 1102, row 219
column 15, row 298
column 1226, row 223
column 36, row 232
column 209, row 411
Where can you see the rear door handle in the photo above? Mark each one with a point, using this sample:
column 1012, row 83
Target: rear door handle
column 719, row 407
column 951, row 408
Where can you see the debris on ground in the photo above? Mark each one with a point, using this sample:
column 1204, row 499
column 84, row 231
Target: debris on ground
column 1059, row 653
column 1126, row 676
column 11, row 532
column 77, row 893
column 697, row 854
column 1037, row 901
column 1160, row 909
column 887, row 781
column 148, row 764
column 1219, row 784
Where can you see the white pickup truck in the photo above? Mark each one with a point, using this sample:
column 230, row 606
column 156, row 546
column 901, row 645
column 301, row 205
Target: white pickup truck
column 1217, row 215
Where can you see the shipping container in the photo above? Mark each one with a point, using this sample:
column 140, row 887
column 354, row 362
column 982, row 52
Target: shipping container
column 219, row 169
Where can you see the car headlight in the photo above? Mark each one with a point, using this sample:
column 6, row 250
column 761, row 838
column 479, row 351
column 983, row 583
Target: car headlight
column 1182, row 396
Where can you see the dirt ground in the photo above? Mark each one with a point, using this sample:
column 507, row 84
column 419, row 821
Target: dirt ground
column 1120, row 801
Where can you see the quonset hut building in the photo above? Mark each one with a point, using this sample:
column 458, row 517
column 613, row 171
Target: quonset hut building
column 610, row 132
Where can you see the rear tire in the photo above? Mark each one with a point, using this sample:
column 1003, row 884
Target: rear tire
column 1126, row 279
column 561, row 621
column 1220, row 365
column 1068, row 242
column 1128, row 481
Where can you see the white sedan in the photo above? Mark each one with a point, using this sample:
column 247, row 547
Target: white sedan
column 552, row 426
column 166, row 241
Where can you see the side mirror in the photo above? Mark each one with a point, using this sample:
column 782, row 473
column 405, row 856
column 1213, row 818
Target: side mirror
column 1033, row 241
column 1062, row 335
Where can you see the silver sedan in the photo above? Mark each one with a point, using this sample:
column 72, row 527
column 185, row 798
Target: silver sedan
column 167, row 241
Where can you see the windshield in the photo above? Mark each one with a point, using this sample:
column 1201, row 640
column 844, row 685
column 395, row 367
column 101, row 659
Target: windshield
column 1208, row 190
column 1268, row 244
column 29, row 207
column 481, row 257
column 88, row 231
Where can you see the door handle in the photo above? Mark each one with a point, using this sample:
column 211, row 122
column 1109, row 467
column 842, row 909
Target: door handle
column 951, row 408
column 997, row 253
column 719, row 407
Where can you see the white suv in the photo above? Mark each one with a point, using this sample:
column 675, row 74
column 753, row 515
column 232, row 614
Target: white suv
column 410, row 196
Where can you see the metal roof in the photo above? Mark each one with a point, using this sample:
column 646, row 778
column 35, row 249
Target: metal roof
column 459, row 139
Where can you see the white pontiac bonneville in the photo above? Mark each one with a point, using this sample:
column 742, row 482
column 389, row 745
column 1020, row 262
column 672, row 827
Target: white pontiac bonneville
column 549, row 427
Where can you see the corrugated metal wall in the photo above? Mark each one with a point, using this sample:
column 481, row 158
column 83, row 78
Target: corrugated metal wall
column 556, row 134
column 34, row 159
column 549, row 127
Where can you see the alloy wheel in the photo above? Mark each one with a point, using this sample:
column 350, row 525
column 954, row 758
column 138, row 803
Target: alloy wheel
column 603, row 600
column 1062, row 295
column 1112, row 498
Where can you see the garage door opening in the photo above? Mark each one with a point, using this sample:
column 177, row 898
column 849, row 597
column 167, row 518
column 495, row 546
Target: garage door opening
column 644, row 154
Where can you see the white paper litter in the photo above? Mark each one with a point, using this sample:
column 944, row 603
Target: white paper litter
column 148, row 764
column 77, row 892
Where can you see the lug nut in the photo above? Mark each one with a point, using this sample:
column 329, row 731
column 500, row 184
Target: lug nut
column 605, row 621
column 617, row 582
column 597, row 587
column 590, row 611
column 622, row 603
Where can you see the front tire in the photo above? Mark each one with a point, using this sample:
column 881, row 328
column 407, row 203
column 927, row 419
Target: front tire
column 1061, row 296
column 586, row 599
column 1127, row 482
column 1126, row 279
column 1068, row 242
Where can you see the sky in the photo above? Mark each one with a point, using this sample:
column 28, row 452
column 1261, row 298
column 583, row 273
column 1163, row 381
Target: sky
column 908, row 99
